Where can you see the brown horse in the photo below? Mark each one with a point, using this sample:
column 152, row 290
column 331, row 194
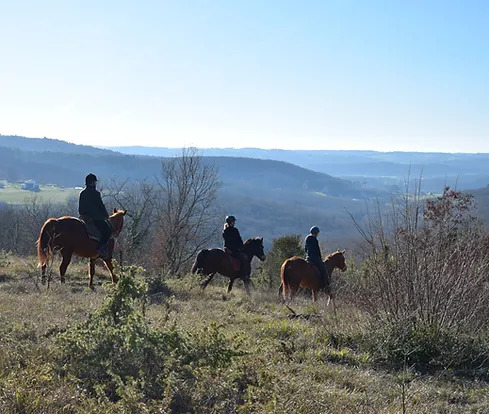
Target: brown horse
column 296, row 272
column 69, row 236
column 212, row 261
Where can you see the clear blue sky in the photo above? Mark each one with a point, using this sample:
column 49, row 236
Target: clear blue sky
column 382, row 75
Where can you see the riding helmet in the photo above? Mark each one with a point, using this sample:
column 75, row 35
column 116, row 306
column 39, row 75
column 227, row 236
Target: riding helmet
column 230, row 219
column 90, row 179
column 314, row 229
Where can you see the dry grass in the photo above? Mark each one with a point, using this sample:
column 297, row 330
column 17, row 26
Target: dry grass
column 289, row 366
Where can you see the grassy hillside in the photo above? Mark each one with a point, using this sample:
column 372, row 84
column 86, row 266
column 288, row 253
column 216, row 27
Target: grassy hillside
column 276, row 364
column 12, row 193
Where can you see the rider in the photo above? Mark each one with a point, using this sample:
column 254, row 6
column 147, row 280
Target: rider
column 234, row 243
column 91, row 205
column 313, row 254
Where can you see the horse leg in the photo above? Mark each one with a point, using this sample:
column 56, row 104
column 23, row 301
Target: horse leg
column 43, row 274
column 91, row 273
column 285, row 288
column 314, row 295
column 247, row 286
column 292, row 291
column 66, row 255
column 330, row 297
column 110, row 267
column 230, row 286
column 204, row 284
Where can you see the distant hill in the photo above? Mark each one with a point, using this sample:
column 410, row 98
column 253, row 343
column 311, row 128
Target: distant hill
column 381, row 170
column 270, row 197
column 481, row 196
column 273, row 192
column 48, row 144
column 57, row 162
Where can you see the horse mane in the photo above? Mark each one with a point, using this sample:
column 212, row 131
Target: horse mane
column 330, row 256
column 118, row 212
column 251, row 239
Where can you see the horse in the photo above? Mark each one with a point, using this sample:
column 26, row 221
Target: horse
column 296, row 272
column 69, row 236
column 212, row 261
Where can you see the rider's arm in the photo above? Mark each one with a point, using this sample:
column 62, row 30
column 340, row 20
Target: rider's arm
column 101, row 204
column 312, row 247
column 317, row 248
column 238, row 238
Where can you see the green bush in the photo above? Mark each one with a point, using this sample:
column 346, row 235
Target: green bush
column 283, row 248
column 428, row 347
column 5, row 258
column 116, row 349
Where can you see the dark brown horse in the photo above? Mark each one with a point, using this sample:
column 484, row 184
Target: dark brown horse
column 296, row 272
column 212, row 261
column 69, row 236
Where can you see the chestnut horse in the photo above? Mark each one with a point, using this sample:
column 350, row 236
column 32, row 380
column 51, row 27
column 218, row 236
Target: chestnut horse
column 212, row 261
column 69, row 236
column 296, row 272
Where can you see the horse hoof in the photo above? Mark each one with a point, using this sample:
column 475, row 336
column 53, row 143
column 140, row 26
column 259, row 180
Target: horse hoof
column 63, row 281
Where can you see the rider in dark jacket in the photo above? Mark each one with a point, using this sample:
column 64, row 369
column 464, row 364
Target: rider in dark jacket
column 313, row 254
column 91, row 205
column 234, row 242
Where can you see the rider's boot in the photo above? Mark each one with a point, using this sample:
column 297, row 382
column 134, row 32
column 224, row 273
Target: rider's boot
column 102, row 250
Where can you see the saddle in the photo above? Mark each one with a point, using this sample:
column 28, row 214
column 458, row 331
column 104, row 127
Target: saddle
column 92, row 231
column 324, row 277
column 235, row 263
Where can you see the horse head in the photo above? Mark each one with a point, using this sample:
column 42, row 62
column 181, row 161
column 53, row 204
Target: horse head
column 117, row 221
column 254, row 247
column 336, row 259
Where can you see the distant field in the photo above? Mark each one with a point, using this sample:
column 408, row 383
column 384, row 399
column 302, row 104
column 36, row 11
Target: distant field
column 12, row 193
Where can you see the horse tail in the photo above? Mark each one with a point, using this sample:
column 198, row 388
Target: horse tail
column 284, row 278
column 199, row 261
column 43, row 243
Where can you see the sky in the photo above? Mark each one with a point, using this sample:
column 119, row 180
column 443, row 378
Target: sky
column 382, row 75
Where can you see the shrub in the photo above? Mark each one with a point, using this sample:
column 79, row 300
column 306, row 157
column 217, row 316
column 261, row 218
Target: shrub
column 116, row 349
column 426, row 262
column 283, row 248
column 424, row 276
column 5, row 258
column 428, row 347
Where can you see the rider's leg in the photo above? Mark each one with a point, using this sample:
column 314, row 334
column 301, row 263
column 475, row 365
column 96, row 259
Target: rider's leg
column 324, row 277
column 245, row 267
column 105, row 233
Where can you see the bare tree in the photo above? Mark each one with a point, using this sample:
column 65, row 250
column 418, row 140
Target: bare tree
column 10, row 228
column 33, row 213
column 139, row 199
column 186, row 209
